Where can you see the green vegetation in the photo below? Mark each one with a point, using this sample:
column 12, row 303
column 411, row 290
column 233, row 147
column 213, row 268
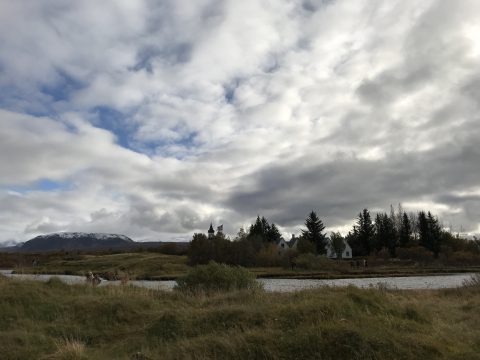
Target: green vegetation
column 402, row 236
column 312, row 262
column 56, row 321
column 142, row 265
column 217, row 277
column 155, row 266
column 314, row 233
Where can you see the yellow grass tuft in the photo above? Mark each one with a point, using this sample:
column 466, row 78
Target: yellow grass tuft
column 68, row 349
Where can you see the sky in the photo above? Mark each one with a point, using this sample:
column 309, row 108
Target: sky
column 154, row 118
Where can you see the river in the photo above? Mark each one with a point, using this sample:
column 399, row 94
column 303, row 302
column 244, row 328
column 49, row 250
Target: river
column 287, row 285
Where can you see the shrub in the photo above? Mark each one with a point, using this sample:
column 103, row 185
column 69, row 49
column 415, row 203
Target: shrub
column 217, row 277
column 312, row 262
column 462, row 258
column 173, row 249
column 269, row 256
column 417, row 253
column 305, row 247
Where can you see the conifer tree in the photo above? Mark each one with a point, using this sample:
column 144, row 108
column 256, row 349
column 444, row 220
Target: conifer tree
column 366, row 232
column 429, row 232
column 314, row 233
column 434, row 234
column 256, row 229
column 385, row 234
column 423, row 233
column 273, row 234
column 265, row 228
column 405, row 234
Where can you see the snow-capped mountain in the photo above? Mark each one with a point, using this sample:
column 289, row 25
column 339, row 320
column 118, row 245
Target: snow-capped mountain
column 77, row 241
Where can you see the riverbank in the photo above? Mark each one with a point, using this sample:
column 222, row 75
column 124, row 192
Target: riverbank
column 156, row 266
column 57, row 321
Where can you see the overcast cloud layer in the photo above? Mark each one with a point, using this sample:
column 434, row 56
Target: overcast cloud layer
column 154, row 118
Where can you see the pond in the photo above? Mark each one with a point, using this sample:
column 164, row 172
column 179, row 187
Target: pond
column 287, row 285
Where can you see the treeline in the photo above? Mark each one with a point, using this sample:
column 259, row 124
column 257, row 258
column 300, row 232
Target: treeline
column 399, row 229
column 255, row 247
column 407, row 235
column 259, row 245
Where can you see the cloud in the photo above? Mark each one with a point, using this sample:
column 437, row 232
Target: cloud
column 161, row 117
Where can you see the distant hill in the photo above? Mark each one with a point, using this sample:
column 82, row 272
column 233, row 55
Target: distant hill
column 91, row 242
column 76, row 241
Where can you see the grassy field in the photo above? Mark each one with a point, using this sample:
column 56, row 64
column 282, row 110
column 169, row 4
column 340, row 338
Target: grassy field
column 56, row 321
column 143, row 265
column 157, row 266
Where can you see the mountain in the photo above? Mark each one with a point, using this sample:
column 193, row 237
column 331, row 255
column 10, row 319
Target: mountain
column 77, row 241
column 10, row 247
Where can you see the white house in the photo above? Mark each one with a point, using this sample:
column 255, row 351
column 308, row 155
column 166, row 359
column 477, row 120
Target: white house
column 292, row 244
column 282, row 245
column 346, row 254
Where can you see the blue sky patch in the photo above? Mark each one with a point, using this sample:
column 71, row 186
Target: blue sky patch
column 61, row 89
column 115, row 122
column 45, row 185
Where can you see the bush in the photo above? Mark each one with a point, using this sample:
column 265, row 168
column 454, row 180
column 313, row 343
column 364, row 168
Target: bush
column 305, row 247
column 173, row 249
column 462, row 258
column 312, row 262
column 417, row 253
column 217, row 277
column 269, row 256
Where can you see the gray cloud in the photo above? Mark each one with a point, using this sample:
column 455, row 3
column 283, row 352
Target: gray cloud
column 232, row 109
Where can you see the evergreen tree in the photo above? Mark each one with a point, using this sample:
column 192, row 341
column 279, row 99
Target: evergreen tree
column 366, row 232
column 429, row 232
column 385, row 234
column 380, row 238
column 265, row 228
column 434, row 234
column 423, row 233
column 405, row 235
column 273, row 235
column 314, row 233
column 257, row 229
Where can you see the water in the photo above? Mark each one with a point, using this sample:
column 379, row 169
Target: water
column 286, row 285
column 410, row 282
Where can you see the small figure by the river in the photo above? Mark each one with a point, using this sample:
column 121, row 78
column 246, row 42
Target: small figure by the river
column 93, row 279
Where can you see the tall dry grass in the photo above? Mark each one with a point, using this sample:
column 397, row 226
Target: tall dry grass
column 127, row 322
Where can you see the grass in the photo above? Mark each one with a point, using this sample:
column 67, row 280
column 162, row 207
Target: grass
column 157, row 266
column 143, row 265
column 56, row 321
